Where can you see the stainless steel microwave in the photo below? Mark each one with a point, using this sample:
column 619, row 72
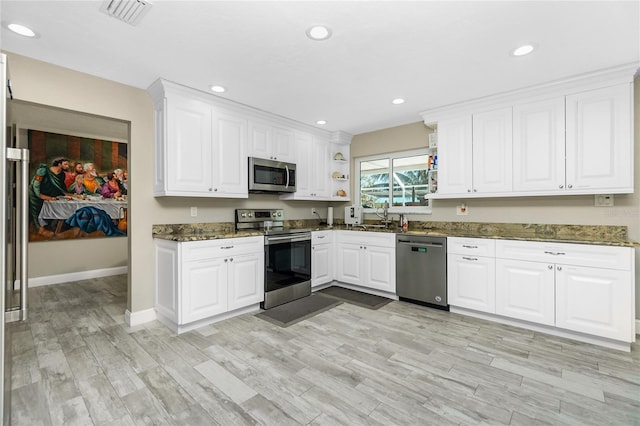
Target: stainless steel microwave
column 271, row 176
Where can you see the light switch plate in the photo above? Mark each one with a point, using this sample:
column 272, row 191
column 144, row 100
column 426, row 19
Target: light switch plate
column 604, row 200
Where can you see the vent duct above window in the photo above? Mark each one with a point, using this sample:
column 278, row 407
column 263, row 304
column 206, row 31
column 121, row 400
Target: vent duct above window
column 129, row 11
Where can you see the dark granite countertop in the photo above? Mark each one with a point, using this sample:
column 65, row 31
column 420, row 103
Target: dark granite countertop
column 582, row 234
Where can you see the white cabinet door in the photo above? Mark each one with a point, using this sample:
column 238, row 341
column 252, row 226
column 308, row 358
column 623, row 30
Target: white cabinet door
column 525, row 290
column 204, row 289
column 594, row 301
column 471, row 282
column 283, row 140
column 188, row 146
column 455, row 156
column 538, row 146
column 349, row 263
column 492, row 147
column 259, row 143
column 245, row 280
column 321, row 264
column 312, row 169
column 267, row 141
column 599, row 139
column 230, row 165
column 379, row 264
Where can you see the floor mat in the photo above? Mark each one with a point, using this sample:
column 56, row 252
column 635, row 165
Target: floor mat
column 298, row 310
column 355, row 297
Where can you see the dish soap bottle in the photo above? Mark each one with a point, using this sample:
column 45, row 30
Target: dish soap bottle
column 405, row 223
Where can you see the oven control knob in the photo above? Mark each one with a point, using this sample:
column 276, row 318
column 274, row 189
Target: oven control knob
column 279, row 214
column 274, row 214
column 243, row 215
column 250, row 214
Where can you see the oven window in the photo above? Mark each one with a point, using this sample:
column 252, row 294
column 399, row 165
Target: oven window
column 287, row 264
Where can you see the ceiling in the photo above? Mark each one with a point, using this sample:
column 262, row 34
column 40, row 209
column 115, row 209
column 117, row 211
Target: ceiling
column 431, row 53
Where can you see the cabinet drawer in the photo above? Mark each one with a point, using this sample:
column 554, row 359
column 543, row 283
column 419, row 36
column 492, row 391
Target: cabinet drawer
column 321, row 237
column 380, row 239
column 471, row 246
column 197, row 250
column 567, row 253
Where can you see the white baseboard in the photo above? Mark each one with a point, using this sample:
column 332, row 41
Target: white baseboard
column 137, row 318
column 76, row 276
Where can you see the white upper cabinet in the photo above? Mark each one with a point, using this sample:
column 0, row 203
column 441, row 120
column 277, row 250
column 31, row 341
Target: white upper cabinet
column 492, row 161
column 312, row 168
column 230, row 169
column 201, row 148
column 273, row 143
column 203, row 143
column 599, row 140
column 538, row 146
column 566, row 138
column 455, row 143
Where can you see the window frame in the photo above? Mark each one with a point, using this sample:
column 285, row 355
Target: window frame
column 428, row 209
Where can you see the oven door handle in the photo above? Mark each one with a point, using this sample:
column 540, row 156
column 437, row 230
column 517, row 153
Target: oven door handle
column 286, row 239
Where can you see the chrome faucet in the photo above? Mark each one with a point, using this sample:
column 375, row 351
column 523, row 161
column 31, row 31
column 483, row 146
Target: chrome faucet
column 385, row 214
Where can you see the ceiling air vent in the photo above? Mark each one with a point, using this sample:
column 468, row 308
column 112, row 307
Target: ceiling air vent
column 129, row 11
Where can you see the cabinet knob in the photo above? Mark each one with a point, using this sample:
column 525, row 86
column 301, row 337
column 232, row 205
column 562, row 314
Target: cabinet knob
column 550, row 267
column 569, row 186
column 210, row 189
column 225, row 261
column 475, row 190
column 468, row 190
column 231, row 260
column 215, row 190
column 559, row 268
column 560, row 186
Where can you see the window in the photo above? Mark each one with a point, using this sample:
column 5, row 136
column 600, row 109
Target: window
column 401, row 179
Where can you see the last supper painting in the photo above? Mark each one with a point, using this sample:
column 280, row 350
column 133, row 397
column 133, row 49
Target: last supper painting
column 78, row 187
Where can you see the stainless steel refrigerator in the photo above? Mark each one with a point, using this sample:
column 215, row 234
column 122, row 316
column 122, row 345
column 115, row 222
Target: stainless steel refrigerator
column 14, row 232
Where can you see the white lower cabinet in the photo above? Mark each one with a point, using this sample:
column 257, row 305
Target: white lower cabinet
column 525, row 290
column 471, row 273
column 321, row 257
column 577, row 287
column 594, row 301
column 199, row 280
column 366, row 259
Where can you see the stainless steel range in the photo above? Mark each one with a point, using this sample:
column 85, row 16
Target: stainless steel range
column 287, row 255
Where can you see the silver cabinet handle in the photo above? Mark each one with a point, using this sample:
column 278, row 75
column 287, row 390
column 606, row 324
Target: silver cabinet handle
column 555, row 253
column 321, row 236
column 469, row 247
column 469, row 258
column 226, row 247
column 286, row 168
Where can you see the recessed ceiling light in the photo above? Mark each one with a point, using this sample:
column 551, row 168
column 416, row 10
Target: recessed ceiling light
column 318, row 32
column 525, row 49
column 397, row 101
column 321, row 122
column 22, row 30
column 218, row 89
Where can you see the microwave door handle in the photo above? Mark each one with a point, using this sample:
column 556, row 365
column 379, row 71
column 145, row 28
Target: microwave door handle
column 287, row 170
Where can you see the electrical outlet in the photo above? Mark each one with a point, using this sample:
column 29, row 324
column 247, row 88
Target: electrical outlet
column 194, row 211
column 462, row 209
column 604, row 200
column 313, row 210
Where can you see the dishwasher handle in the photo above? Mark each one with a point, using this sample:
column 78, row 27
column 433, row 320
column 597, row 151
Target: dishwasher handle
column 440, row 245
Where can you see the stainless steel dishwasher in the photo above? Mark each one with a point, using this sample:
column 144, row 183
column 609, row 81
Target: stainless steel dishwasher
column 421, row 270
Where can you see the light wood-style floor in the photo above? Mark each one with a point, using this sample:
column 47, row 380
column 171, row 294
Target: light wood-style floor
column 75, row 363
